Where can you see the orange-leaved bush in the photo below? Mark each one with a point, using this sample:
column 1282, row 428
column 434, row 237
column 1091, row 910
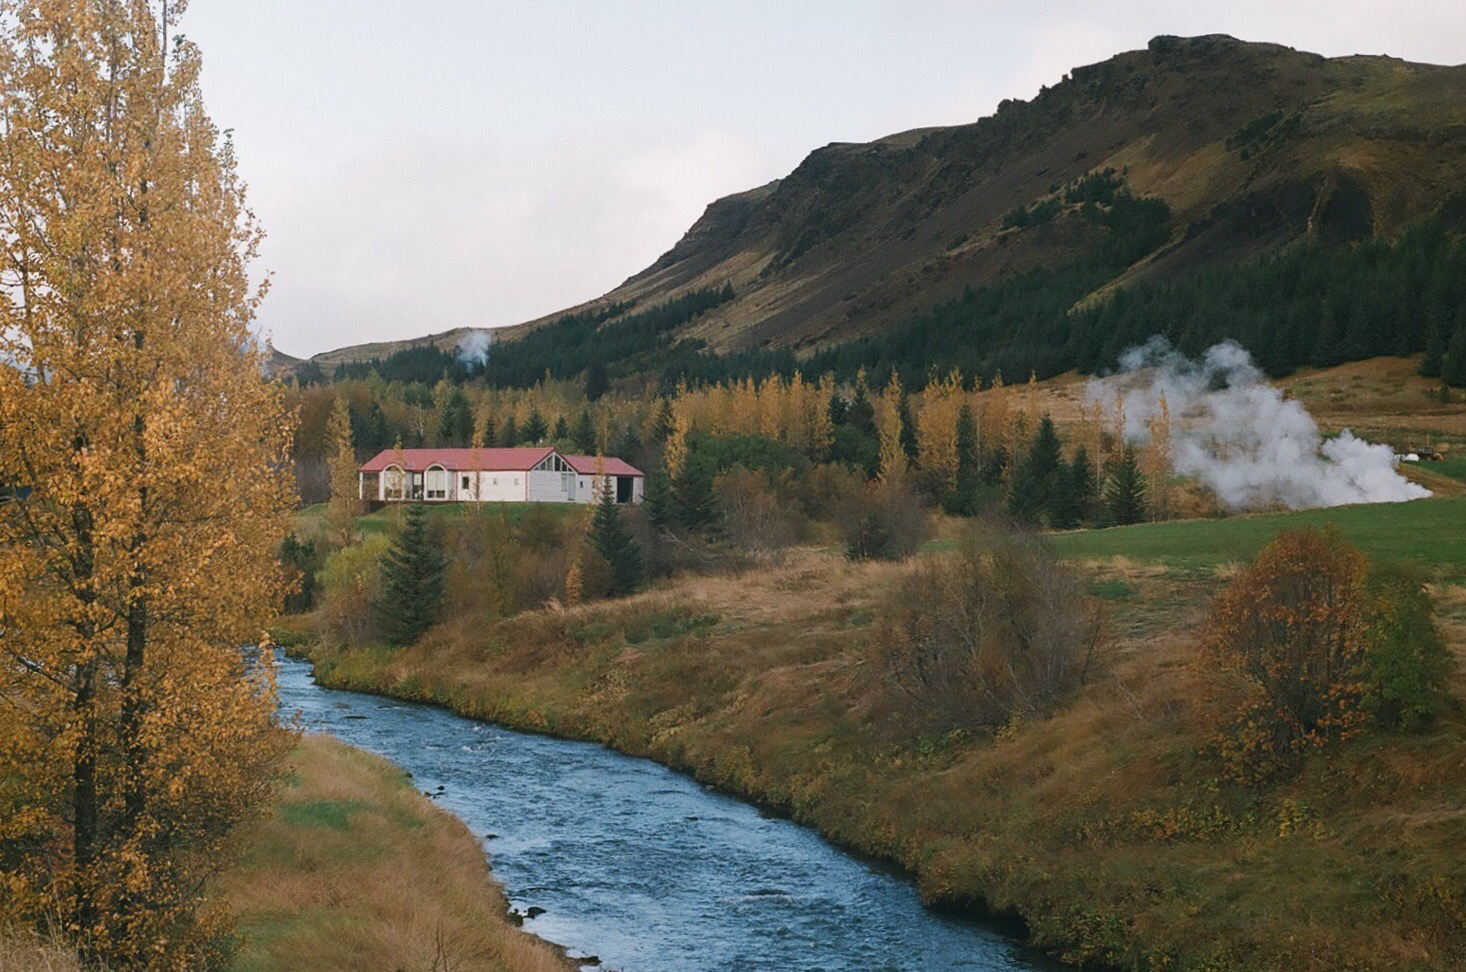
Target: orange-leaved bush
column 1293, row 625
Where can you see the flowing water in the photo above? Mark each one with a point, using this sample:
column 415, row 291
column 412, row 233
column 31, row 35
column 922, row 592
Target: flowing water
column 644, row 868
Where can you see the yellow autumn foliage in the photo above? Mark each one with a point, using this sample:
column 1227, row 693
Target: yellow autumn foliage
column 143, row 489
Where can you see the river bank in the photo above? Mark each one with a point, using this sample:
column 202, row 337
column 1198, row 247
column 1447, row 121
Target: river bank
column 355, row 869
column 642, row 867
column 1104, row 828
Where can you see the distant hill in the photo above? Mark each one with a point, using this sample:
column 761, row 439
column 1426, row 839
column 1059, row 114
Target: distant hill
column 1251, row 147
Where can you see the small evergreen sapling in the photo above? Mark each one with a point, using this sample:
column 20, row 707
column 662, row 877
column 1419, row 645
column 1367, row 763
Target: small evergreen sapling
column 611, row 539
column 412, row 580
column 1125, row 493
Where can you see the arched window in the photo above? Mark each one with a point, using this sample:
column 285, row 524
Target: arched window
column 437, row 483
column 394, row 481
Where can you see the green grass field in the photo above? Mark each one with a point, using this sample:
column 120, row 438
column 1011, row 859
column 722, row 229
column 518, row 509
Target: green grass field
column 1430, row 533
column 382, row 520
column 1454, row 468
column 311, row 518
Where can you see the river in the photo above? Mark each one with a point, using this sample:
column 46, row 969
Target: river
column 643, row 867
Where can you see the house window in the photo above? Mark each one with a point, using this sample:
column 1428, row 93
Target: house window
column 394, row 483
column 465, row 482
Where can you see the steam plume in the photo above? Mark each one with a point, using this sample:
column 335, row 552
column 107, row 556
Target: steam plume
column 1239, row 436
column 473, row 348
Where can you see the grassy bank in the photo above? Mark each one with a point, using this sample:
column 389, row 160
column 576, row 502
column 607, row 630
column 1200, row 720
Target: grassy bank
column 1108, row 827
column 357, row 870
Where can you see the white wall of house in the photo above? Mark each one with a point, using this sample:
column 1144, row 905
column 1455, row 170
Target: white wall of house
column 549, row 486
column 589, row 489
column 497, row 486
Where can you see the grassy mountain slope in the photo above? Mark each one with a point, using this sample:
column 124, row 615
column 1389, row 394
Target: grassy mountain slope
column 1253, row 146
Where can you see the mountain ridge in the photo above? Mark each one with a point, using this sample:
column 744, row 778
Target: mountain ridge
column 1253, row 147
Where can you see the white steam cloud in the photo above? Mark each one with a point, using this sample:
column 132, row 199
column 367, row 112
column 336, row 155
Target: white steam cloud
column 473, row 347
column 1237, row 434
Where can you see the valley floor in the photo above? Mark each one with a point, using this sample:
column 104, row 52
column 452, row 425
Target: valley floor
column 1107, row 828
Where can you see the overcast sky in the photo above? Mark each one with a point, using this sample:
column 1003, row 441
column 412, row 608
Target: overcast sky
column 445, row 163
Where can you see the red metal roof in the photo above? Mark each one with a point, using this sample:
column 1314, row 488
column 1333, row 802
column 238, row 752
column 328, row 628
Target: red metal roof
column 483, row 460
column 586, row 466
column 492, row 460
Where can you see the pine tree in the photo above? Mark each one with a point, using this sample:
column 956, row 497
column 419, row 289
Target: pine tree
column 377, row 436
column 1125, row 492
column 1453, row 365
column 658, row 498
column 596, row 382
column 412, row 581
column 584, row 434
column 1066, row 510
column 561, row 432
column 694, row 502
column 862, row 414
column 1086, row 486
column 662, row 423
column 628, row 444
column 838, row 409
column 535, row 428
column 1031, row 492
column 969, row 461
column 1437, row 338
column 509, row 433
column 1025, row 504
column 455, row 420
column 611, row 539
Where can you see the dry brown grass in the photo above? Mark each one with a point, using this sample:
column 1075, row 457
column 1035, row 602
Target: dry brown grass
column 1107, row 826
column 357, row 870
column 26, row 954
column 1383, row 398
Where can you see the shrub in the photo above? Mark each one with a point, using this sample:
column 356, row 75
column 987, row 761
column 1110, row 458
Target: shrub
column 886, row 521
column 757, row 524
column 1000, row 630
column 1293, row 626
column 351, row 581
column 1406, row 664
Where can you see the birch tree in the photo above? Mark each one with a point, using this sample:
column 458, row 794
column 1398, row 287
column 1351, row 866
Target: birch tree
column 149, row 462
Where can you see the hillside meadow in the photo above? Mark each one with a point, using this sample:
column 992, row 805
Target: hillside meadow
column 1109, row 830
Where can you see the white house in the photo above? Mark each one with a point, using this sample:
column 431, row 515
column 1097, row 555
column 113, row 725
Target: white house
column 537, row 475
